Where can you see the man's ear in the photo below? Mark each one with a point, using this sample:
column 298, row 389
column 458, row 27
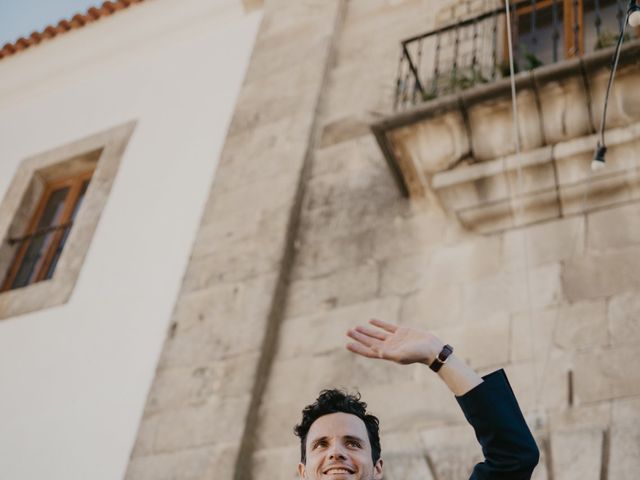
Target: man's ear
column 377, row 470
column 301, row 470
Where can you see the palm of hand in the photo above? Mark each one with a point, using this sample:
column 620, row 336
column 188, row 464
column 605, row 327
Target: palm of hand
column 402, row 345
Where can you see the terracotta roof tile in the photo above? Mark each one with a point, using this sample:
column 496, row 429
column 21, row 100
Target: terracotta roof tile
column 77, row 21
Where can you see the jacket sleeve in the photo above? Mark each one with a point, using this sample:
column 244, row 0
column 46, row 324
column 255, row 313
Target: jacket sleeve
column 510, row 452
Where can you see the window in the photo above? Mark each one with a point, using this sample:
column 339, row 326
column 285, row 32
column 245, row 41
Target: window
column 48, row 216
column 39, row 249
column 547, row 31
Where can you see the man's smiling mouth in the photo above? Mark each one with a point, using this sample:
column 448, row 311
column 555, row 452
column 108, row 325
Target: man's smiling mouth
column 338, row 470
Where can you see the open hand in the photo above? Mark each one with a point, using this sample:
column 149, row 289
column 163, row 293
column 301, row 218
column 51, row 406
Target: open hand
column 392, row 342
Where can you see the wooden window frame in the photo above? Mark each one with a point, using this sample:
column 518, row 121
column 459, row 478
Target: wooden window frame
column 75, row 184
column 571, row 50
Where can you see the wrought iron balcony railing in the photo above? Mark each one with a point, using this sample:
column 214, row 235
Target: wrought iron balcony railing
column 474, row 50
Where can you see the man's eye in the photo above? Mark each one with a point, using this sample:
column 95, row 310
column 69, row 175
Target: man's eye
column 321, row 443
column 354, row 443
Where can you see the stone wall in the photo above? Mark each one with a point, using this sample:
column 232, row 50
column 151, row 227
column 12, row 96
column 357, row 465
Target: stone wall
column 306, row 234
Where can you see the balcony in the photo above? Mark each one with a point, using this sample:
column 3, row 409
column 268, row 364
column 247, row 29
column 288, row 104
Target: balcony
column 450, row 139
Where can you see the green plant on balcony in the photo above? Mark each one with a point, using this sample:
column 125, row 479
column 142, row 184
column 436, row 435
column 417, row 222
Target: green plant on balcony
column 608, row 39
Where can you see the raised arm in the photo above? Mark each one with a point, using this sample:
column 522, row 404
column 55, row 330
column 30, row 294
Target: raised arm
column 411, row 345
column 488, row 403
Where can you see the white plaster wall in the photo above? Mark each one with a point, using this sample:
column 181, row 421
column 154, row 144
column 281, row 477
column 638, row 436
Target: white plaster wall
column 74, row 379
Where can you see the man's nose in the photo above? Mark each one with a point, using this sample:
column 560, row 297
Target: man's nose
column 336, row 453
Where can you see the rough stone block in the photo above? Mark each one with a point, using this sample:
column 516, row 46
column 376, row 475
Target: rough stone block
column 344, row 287
column 278, row 148
column 565, row 113
column 452, row 451
column 580, row 417
column 280, row 463
column 317, row 256
column 624, row 318
column 582, row 325
column 543, row 383
column 481, row 343
column 405, row 274
column 407, row 235
column 547, row 242
column 202, row 321
column 220, row 420
column 408, row 406
column 192, row 386
column 624, row 457
column 495, row 139
column 189, row 464
column 614, row 228
column 607, row 373
column 577, row 455
column 532, row 334
column 434, row 305
column 602, row 274
column 467, row 261
column 404, row 457
column 513, row 291
column 325, row 332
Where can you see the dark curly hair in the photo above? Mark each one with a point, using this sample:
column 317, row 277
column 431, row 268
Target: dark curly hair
column 334, row 401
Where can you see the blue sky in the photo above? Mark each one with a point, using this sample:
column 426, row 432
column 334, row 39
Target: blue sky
column 19, row 18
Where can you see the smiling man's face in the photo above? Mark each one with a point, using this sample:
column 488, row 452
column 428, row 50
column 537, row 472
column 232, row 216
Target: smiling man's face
column 338, row 448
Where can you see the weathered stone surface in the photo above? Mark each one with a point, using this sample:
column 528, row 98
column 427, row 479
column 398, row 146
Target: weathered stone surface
column 452, row 451
column 189, row 464
column 495, row 139
column 324, row 333
column 532, row 334
column 614, row 228
column 543, row 383
column 607, row 373
column 513, row 291
column 434, row 305
column 582, row 325
column 467, row 261
column 624, row 459
column 564, row 108
column 281, row 463
column 602, row 274
column 624, row 318
column 192, row 386
column 581, row 417
column 220, row 420
column 551, row 241
column 404, row 457
column 344, row 287
column 481, row 343
column 202, row 334
column 577, row 455
column 423, row 404
column 404, row 274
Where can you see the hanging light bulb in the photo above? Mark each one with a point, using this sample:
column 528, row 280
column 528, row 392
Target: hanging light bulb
column 633, row 18
column 634, row 15
column 598, row 158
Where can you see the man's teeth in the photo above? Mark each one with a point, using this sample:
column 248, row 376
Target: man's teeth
column 338, row 470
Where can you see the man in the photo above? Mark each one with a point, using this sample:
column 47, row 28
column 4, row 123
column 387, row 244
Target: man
column 340, row 441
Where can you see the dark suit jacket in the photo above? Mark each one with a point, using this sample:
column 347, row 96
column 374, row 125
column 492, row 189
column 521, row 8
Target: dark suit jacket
column 510, row 452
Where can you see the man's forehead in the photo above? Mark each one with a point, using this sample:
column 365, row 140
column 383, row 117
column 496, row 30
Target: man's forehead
column 338, row 424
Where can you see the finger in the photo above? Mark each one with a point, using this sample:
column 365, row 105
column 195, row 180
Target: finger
column 363, row 339
column 362, row 350
column 374, row 333
column 389, row 327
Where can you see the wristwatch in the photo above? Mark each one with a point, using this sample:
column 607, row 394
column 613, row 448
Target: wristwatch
column 441, row 359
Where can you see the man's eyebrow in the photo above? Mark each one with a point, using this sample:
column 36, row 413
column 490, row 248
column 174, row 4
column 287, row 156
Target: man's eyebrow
column 317, row 440
column 353, row 437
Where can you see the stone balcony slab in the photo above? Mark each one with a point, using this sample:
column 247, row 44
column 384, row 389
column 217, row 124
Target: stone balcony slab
column 460, row 149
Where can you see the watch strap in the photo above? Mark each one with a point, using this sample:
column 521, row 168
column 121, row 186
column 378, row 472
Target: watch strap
column 442, row 358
